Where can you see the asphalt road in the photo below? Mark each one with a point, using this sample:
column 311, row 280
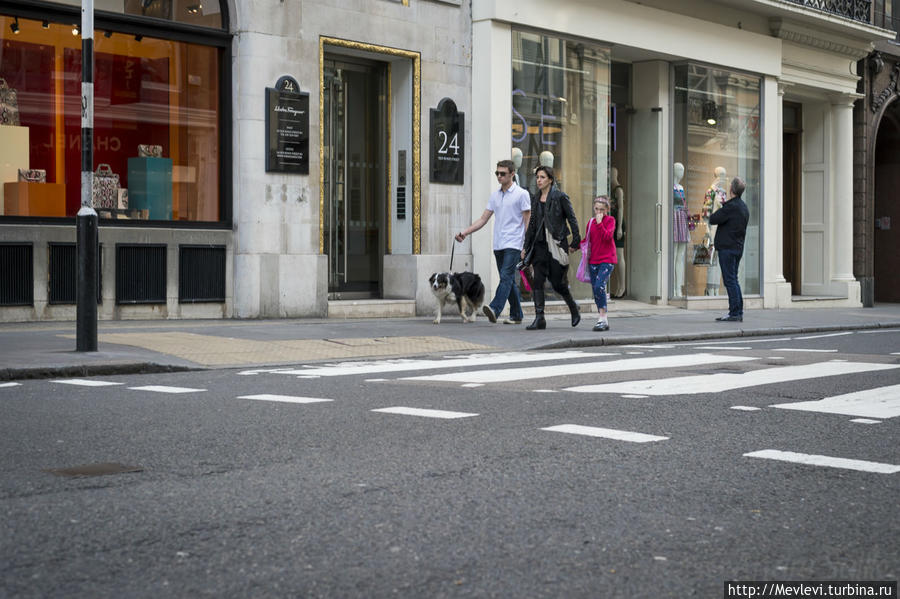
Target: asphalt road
column 314, row 494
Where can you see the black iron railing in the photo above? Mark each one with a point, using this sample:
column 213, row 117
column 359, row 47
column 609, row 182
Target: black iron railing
column 858, row 10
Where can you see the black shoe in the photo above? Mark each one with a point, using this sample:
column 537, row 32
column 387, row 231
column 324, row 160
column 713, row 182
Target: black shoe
column 730, row 319
column 539, row 323
column 576, row 318
column 601, row 326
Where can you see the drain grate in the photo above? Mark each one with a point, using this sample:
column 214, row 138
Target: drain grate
column 94, row 470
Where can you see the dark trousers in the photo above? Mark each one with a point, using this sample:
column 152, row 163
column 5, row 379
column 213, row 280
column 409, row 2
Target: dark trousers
column 548, row 269
column 729, row 260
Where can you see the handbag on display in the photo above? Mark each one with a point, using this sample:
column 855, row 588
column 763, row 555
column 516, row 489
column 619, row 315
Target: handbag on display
column 702, row 255
column 106, row 188
column 149, row 151
column 9, row 104
column 33, row 175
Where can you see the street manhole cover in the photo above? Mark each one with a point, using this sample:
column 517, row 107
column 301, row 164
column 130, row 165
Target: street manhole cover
column 94, row 470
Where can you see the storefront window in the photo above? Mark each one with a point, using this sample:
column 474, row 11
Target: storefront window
column 156, row 124
column 717, row 137
column 560, row 118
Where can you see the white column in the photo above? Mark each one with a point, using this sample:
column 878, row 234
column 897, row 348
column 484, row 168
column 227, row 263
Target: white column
column 776, row 291
column 842, row 195
column 491, row 121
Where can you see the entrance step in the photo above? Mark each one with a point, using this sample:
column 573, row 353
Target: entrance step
column 375, row 308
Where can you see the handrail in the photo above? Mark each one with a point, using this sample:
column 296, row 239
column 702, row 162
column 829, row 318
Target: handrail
column 858, row 10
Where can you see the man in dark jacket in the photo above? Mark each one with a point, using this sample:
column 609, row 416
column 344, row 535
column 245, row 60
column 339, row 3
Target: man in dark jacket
column 731, row 220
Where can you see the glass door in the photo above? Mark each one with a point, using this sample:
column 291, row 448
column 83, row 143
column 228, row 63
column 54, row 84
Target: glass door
column 355, row 143
column 645, row 236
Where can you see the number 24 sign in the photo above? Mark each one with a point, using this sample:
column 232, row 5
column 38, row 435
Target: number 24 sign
column 447, row 144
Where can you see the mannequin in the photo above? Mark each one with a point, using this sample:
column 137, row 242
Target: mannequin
column 715, row 197
column 517, row 161
column 617, row 210
column 680, row 235
column 546, row 158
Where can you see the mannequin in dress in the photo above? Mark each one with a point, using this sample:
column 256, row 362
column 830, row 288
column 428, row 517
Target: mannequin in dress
column 617, row 211
column 680, row 235
column 716, row 195
column 517, row 160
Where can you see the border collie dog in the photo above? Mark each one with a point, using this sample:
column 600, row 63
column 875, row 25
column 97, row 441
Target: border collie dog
column 464, row 288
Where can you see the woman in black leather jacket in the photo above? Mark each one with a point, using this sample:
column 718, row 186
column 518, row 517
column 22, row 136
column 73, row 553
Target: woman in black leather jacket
column 551, row 214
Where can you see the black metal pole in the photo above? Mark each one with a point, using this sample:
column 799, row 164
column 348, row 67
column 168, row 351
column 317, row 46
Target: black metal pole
column 87, row 222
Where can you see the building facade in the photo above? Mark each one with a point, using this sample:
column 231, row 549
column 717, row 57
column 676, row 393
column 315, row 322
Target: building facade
column 297, row 158
column 876, row 202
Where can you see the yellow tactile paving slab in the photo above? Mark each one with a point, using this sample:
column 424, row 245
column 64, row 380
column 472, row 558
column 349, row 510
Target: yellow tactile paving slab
column 210, row 350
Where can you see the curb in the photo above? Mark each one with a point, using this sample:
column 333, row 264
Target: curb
column 642, row 339
column 46, row 372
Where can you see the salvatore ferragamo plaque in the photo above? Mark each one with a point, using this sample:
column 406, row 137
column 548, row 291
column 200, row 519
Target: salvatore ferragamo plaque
column 287, row 128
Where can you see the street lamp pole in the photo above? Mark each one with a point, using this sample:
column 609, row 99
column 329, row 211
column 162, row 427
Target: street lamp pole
column 87, row 221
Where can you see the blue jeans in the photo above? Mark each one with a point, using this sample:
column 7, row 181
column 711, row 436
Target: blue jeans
column 507, row 289
column 728, row 262
column 599, row 279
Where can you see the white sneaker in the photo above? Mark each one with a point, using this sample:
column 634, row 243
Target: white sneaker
column 489, row 313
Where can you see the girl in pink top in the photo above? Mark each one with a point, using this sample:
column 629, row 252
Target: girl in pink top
column 599, row 233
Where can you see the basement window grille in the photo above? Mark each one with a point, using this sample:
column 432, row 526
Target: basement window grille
column 201, row 273
column 140, row 273
column 16, row 274
column 63, row 274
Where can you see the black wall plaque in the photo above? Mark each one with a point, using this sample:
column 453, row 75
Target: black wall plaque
column 287, row 128
column 447, row 144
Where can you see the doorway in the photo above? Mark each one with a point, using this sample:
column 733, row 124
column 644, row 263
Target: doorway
column 887, row 207
column 355, row 175
column 790, row 194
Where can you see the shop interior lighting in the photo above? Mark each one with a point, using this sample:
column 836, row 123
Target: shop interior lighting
column 107, row 34
column 45, row 24
column 14, row 27
column 138, row 37
column 710, row 112
column 74, row 29
column 195, row 9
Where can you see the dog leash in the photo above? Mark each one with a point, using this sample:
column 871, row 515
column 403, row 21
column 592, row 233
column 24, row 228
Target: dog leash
column 452, row 249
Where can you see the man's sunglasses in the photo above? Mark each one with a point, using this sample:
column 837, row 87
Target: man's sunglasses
column 501, row 173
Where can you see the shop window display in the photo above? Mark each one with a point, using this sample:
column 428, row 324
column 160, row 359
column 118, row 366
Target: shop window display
column 156, row 124
column 716, row 138
column 561, row 119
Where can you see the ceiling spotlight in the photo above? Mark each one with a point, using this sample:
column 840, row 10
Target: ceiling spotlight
column 45, row 24
column 14, row 27
column 710, row 112
column 107, row 34
column 195, row 9
column 74, row 29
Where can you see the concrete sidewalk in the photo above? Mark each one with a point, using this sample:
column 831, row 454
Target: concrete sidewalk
column 35, row 350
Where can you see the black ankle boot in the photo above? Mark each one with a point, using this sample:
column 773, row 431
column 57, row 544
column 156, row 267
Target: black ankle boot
column 573, row 309
column 539, row 323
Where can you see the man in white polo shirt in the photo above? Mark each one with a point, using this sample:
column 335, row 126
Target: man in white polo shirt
column 512, row 205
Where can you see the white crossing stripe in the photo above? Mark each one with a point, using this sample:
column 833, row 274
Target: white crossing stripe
column 406, row 364
column 10, row 384
column 824, row 460
column 597, row 366
column 866, row 421
column 716, row 383
column 284, row 398
column 86, row 382
column 801, row 349
column 827, row 335
column 881, row 403
column 606, row 433
column 722, row 347
column 164, row 389
column 745, row 408
column 423, row 412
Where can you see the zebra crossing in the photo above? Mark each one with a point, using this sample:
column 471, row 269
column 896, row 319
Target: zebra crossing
column 870, row 406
